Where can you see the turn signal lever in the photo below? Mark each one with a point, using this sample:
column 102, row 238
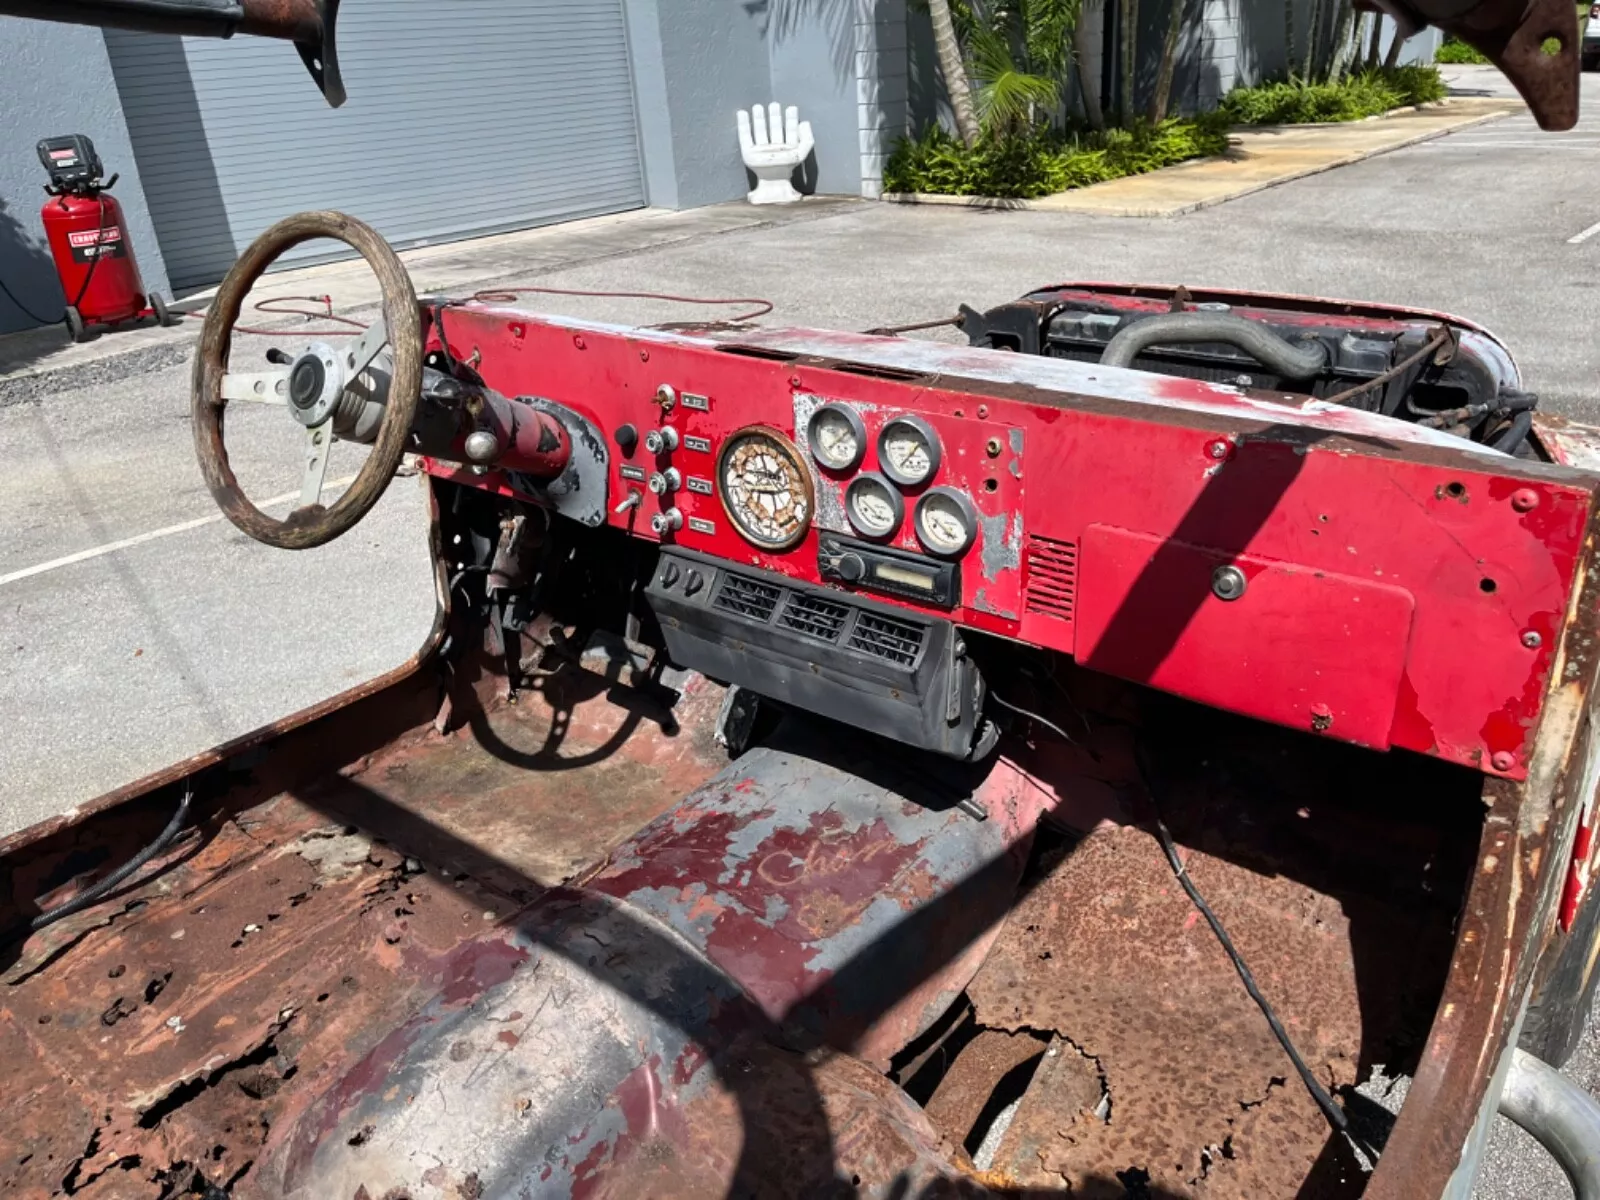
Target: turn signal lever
column 307, row 23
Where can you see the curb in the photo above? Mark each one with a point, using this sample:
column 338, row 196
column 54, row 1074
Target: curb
column 1033, row 205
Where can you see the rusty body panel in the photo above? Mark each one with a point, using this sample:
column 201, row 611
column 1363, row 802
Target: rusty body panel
column 1509, row 916
column 814, row 863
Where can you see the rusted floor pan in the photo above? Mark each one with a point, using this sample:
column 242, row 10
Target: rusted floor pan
column 1155, row 1074
column 156, row 1039
column 155, row 1043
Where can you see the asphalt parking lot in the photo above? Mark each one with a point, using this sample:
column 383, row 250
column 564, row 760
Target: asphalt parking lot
column 136, row 627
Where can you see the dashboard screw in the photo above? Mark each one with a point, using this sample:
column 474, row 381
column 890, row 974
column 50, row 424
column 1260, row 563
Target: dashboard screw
column 1503, row 760
column 993, row 447
column 1228, row 583
column 1524, row 499
column 1532, row 640
column 1218, row 449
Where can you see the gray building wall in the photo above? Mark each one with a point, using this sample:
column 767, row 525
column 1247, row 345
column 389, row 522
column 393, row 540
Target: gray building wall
column 697, row 62
column 56, row 79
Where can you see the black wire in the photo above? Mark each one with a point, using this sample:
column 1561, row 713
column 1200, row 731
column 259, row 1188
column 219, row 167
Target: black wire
column 1335, row 1115
column 87, row 276
column 90, row 895
column 1033, row 716
column 99, row 252
column 26, row 311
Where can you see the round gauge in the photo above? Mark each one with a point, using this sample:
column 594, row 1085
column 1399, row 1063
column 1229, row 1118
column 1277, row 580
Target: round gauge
column 874, row 508
column 908, row 451
column 765, row 487
column 946, row 522
column 837, row 437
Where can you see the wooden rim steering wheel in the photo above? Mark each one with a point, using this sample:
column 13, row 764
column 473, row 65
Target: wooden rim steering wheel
column 311, row 389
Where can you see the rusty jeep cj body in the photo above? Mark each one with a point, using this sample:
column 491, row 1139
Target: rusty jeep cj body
column 1069, row 763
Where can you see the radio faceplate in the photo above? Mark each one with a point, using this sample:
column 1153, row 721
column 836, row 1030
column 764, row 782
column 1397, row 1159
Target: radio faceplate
column 870, row 568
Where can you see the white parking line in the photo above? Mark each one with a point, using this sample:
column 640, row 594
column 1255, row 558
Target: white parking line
column 1579, row 238
column 141, row 538
column 1510, row 144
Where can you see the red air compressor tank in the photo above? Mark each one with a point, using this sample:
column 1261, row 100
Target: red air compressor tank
column 89, row 241
column 82, row 229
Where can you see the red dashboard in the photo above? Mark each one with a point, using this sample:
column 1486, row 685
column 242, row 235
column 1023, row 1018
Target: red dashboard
column 1303, row 563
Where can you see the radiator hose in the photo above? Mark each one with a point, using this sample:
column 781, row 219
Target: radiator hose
column 1283, row 358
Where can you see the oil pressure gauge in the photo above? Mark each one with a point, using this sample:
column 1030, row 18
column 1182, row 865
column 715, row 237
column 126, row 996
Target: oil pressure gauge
column 908, row 451
column 874, row 509
column 837, row 437
column 946, row 522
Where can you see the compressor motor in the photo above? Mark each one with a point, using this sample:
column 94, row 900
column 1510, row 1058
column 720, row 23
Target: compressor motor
column 89, row 241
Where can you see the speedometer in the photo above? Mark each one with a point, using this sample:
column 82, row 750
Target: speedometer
column 908, row 451
column 873, row 507
column 946, row 522
column 765, row 487
column 837, row 437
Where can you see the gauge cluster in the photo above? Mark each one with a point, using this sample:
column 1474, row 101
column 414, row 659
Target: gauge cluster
column 902, row 490
column 919, row 506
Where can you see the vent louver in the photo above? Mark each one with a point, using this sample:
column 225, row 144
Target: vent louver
column 748, row 597
column 886, row 638
column 814, row 616
column 1052, row 577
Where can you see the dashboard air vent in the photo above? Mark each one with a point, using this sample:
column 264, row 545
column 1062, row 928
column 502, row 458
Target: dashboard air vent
column 886, row 638
column 814, row 616
column 747, row 597
column 1052, row 577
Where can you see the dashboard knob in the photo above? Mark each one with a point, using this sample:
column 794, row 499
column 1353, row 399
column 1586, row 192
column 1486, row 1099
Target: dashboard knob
column 692, row 582
column 662, row 482
column 669, row 574
column 661, row 441
column 851, row 568
column 627, row 438
column 666, row 521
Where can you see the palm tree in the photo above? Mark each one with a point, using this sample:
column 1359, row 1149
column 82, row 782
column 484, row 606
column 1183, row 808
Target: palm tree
column 1169, row 54
column 1375, row 43
column 954, row 70
column 1083, row 51
column 1340, row 46
column 1130, row 40
column 1009, row 95
column 1288, row 38
column 1396, row 42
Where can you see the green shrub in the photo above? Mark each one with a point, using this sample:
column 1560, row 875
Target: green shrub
column 1039, row 162
column 1456, row 51
column 1366, row 94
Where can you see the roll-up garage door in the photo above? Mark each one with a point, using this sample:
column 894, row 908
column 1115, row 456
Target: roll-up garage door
column 465, row 117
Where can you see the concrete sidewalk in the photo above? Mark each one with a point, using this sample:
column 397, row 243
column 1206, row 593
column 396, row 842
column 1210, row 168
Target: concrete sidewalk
column 45, row 360
column 1255, row 159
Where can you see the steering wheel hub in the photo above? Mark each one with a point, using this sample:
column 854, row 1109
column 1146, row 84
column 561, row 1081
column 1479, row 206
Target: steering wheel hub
column 315, row 385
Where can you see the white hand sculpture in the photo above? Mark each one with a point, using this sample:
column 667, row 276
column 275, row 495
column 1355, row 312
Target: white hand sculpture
column 773, row 142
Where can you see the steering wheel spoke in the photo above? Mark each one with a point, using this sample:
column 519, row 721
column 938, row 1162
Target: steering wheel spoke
column 319, row 441
column 360, row 353
column 257, row 387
